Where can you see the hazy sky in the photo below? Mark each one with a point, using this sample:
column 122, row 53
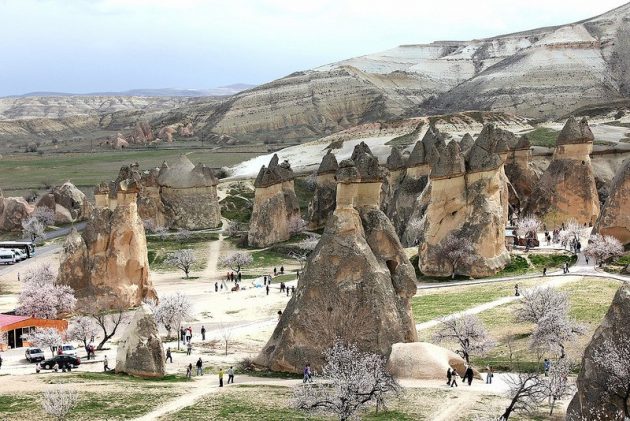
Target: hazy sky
column 110, row 45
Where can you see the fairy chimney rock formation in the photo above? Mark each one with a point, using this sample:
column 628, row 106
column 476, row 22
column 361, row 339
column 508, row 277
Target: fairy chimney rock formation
column 466, row 142
column 615, row 216
column 595, row 389
column 275, row 205
column 140, row 351
column 324, row 198
column 107, row 264
column 395, row 165
column 189, row 195
column 469, row 200
column 567, row 188
column 359, row 269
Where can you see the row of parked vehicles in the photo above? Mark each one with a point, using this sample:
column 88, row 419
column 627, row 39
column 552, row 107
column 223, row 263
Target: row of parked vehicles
column 15, row 251
column 66, row 355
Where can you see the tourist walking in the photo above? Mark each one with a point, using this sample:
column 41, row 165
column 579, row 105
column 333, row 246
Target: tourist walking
column 231, row 375
column 544, row 271
column 168, row 355
column 566, row 267
column 275, row 271
column 189, row 348
column 288, row 291
column 586, row 257
column 182, row 333
column 490, row 375
column 203, row 333
column 308, row 374
column 546, row 366
column 216, row 287
column 199, row 367
column 221, row 377
column 469, row 375
column 449, row 376
column 267, row 288
column 189, row 372
column 516, row 292
column 454, row 381
column 105, row 364
column 281, row 269
column 293, row 290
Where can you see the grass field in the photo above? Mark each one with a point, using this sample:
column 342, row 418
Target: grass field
column 543, row 136
column 159, row 248
column 24, row 172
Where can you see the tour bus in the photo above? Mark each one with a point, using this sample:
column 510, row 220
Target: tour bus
column 7, row 257
column 26, row 246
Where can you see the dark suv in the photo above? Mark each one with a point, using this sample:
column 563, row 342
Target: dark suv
column 61, row 360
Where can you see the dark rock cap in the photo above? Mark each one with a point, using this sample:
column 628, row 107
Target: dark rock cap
column 362, row 167
column 184, row 174
column 466, row 142
column 328, row 164
column 523, row 143
column 484, row 155
column 395, row 160
column 418, row 156
column 574, row 132
column 101, row 188
column 274, row 174
column 450, row 162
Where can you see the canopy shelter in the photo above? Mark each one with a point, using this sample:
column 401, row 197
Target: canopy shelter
column 14, row 329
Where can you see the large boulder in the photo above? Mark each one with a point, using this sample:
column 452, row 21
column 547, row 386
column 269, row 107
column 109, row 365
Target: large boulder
column 567, row 188
column 424, row 361
column 14, row 210
column 275, row 205
column 140, row 351
column 615, row 216
column 356, row 285
column 67, row 202
column 594, row 395
column 107, row 266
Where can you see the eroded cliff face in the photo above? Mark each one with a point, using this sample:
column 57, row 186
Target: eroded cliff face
column 275, row 205
column 324, row 198
column 567, row 188
column 107, row 265
column 468, row 199
column 359, row 269
column 615, row 215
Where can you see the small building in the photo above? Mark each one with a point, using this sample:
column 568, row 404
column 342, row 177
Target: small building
column 14, row 330
column 510, row 238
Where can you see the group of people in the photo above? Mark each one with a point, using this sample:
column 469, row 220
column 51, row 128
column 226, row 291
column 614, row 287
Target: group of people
column 452, row 374
column 287, row 289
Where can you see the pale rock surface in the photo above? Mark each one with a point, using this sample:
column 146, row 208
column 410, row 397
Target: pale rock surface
column 275, row 204
column 567, row 188
column 13, row 210
column 357, row 284
column 614, row 218
column 68, row 202
column 591, row 382
column 140, row 350
column 424, row 361
column 107, row 265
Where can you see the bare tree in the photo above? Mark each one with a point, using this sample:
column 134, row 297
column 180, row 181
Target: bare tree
column 528, row 226
column 236, row 261
column 526, row 392
column 351, row 380
column 603, row 248
column 58, row 402
column 82, row 329
column 182, row 259
column 468, row 332
column 33, row 229
column 172, row 311
column 183, row 235
column 44, row 215
column 557, row 385
column 454, row 252
column 41, row 298
column 610, row 361
column 225, row 331
column 46, row 337
column 536, row 303
column 296, row 225
column 108, row 322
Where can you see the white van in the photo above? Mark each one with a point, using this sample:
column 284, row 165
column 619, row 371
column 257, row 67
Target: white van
column 19, row 255
column 7, row 257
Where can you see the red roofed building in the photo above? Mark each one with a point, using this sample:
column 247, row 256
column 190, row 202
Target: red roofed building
column 14, row 329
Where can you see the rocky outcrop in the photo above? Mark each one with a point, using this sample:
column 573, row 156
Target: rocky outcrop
column 357, row 283
column 567, row 188
column 166, row 134
column 594, row 381
column 142, row 133
column 425, row 361
column 183, row 195
column 394, row 175
column 189, row 194
column 468, row 199
column 324, row 198
column 140, row 351
column 107, row 264
column 13, row 210
column 67, row 202
column 520, row 173
column 614, row 218
column 275, row 205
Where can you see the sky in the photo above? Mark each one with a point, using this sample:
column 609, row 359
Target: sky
column 81, row 46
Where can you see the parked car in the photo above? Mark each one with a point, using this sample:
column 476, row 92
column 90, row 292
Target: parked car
column 61, row 360
column 68, row 349
column 34, row 355
column 19, row 255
